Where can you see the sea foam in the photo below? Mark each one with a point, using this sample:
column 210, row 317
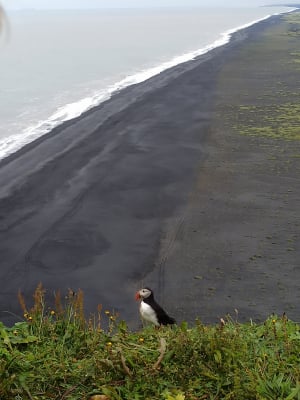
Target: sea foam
column 69, row 111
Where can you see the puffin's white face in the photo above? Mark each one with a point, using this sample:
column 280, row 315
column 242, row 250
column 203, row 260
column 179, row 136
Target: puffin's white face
column 143, row 293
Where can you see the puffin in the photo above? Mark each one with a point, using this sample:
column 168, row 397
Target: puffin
column 151, row 311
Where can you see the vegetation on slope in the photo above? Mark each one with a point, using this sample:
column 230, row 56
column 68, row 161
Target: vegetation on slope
column 267, row 102
column 55, row 353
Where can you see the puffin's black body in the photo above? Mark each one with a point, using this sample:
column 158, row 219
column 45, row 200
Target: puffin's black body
column 161, row 316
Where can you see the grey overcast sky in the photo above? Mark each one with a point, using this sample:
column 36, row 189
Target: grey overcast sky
column 83, row 4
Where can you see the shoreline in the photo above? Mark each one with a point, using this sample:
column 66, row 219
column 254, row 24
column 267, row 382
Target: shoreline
column 107, row 209
column 141, row 77
column 130, row 94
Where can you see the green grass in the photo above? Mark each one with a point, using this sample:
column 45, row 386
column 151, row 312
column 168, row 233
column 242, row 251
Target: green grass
column 261, row 99
column 57, row 354
column 276, row 121
column 294, row 24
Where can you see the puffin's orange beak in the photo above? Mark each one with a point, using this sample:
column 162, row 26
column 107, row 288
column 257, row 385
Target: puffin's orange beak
column 137, row 296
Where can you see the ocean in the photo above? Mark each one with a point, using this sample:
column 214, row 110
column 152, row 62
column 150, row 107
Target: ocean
column 54, row 65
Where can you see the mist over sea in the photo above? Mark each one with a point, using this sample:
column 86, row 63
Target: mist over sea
column 56, row 64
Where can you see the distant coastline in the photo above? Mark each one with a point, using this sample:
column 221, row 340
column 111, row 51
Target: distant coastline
column 13, row 143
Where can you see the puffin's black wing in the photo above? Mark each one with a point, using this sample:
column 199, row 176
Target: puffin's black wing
column 162, row 317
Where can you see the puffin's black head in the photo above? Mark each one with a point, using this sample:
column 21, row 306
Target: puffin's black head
column 143, row 293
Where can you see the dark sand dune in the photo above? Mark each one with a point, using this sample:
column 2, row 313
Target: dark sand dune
column 152, row 188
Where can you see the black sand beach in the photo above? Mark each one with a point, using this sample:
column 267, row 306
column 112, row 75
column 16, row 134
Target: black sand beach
column 175, row 183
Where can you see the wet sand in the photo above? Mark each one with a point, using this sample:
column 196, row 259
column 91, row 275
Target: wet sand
column 156, row 187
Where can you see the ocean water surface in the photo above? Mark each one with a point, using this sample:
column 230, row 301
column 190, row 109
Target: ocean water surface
column 54, row 65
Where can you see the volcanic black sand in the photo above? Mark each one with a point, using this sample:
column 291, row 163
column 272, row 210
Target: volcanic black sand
column 187, row 183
